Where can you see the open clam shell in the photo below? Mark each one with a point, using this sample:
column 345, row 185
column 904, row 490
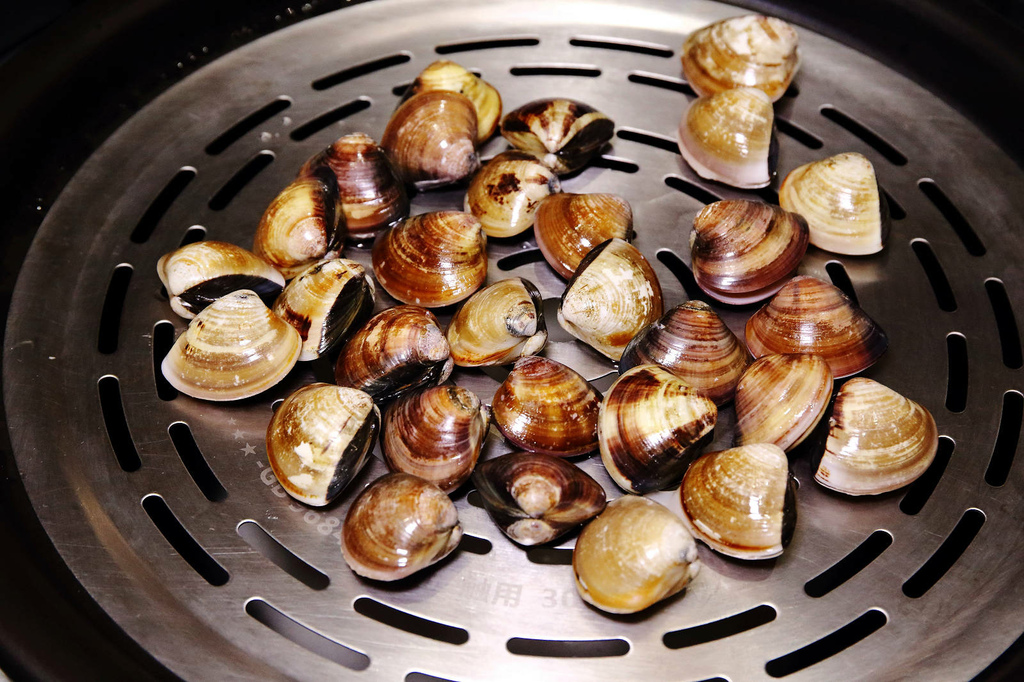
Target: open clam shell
column 431, row 139
column 568, row 226
column 506, row 192
column 398, row 525
column 812, row 316
column 612, row 296
column 650, row 427
column 432, row 259
column 878, row 440
column 753, row 50
column 842, row 202
column 498, row 324
column 544, row 406
column 234, row 349
column 325, row 303
column 198, row 274
column 435, row 433
column 741, row 502
column 303, row 224
column 396, row 351
column 692, row 342
column 371, row 195
column 536, row 498
column 744, row 251
column 319, row 439
column 729, row 137
column 563, row 133
column 781, row 398
column 449, row 76
column 633, row 555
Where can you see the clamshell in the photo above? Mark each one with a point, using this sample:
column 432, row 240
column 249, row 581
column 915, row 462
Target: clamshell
column 498, row 324
column 447, row 75
column 506, row 192
column 563, row 133
column 568, row 226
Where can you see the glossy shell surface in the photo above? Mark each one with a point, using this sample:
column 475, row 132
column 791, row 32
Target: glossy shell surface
column 563, row 133
column 498, row 324
column 447, row 75
column 506, row 192
column 568, row 226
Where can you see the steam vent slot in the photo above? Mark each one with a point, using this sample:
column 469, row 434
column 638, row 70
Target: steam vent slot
column 182, row 541
column 247, row 124
column 828, row 646
column 195, row 462
column 363, row 69
column 721, row 628
column 588, row 648
column 396, row 618
column 149, row 220
column 113, row 305
column 868, row 136
column 850, row 565
column 246, row 174
column 955, row 544
column 921, row 489
column 306, row 637
column 282, row 557
column 117, row 424
column 1007, row 439
column 936, row 275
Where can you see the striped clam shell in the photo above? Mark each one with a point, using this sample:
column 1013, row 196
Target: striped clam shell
column 563, row 133
column 812, row 316
column 781, row 398
column 744, row 251
column 650, row 427
column 506, row 192
column 435, row 433
column 568, row 226
column 447, row 75
column 878, row 440
column 613, row 295
column 692, row 342
column 498, row 324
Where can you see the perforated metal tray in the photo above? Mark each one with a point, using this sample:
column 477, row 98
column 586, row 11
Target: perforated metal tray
column 165, row 508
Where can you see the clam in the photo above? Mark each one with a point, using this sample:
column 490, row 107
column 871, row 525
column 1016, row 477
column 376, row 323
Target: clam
column 435, row 433
column 318, row 440
column 431, row 139
column 372, row 198
column 302, row 224
column 449, row 76
column 650, row 427
column 536, row 498
column 568, row 226
column 198, row 274
column 563, row 133
column 544, row 406
column 692, row 342
column 325, row 303
column 432, row 259
column 398, row 350
column 741, row 502
column 633, row 555
column 234, row 349
column 505, row 194
column 729, row 137
column 398, row 525
column 878, row 440
column 755, row 51
column 812, row 316
column 840, row 198
column 612, row 296
column 744, row 251
column 781, row 398
column 498, row 324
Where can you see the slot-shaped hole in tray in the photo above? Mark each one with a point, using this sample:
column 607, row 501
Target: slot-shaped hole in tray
column 1007, row 439
column 488, row 44
column 550, row 556
column 866, row 135
column 275, row 551
column 841, row 279
column 549, row 648
column 424, row 677
column 161, row 204
column 650, row 139
column 113, row 306
column 372, row 66
column 116, row 423
column 247, row 124
column 801, row 135
column 578, row 70
column 850, row 565
column 305, row 636
column 237, row 182
column 616, row 164
column 957, row 372
column 163, row 339
column 951, row 549
column 936, row 275
column 417, row 625
column 694, row 191
column 968, row 237
column 829, row 645
column 182, row 541
column 516, row 260
column 195, row 462
column 721, row 628
column 1006, row 323
column 896, row 210
column 329, row 118
column 682, row 272
column 663, row 82
column 196, row 233
column 920, row 490
column 474, row 544
column 622, row 45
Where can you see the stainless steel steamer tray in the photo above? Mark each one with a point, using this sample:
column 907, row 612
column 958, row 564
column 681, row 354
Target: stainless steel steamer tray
column 166, row 511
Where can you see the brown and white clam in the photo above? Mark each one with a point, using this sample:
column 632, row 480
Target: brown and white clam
column 613, row 295
column 812, row 316
column 878, row 440
column 755, row 51
column 842, row 203
column 303, row 224
column 651, row 426
column 371, row 195
column 325, row 303
column 563, row 133
column 198, row 274
column 398, row 525
column 544, row 406
column 633, row 555
column 744, row 251
column 431, row 139
column 741, row 502
column 433, row 259
column 398, row 350
column 536, row 498
column 692, row 342
column 781, row 398
column 234, row 349
column 498, row 324
column 435, row 433
column 506, row 192
column 449, row 76
column 568, row 226
column 319, row 439
column 729, row 137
